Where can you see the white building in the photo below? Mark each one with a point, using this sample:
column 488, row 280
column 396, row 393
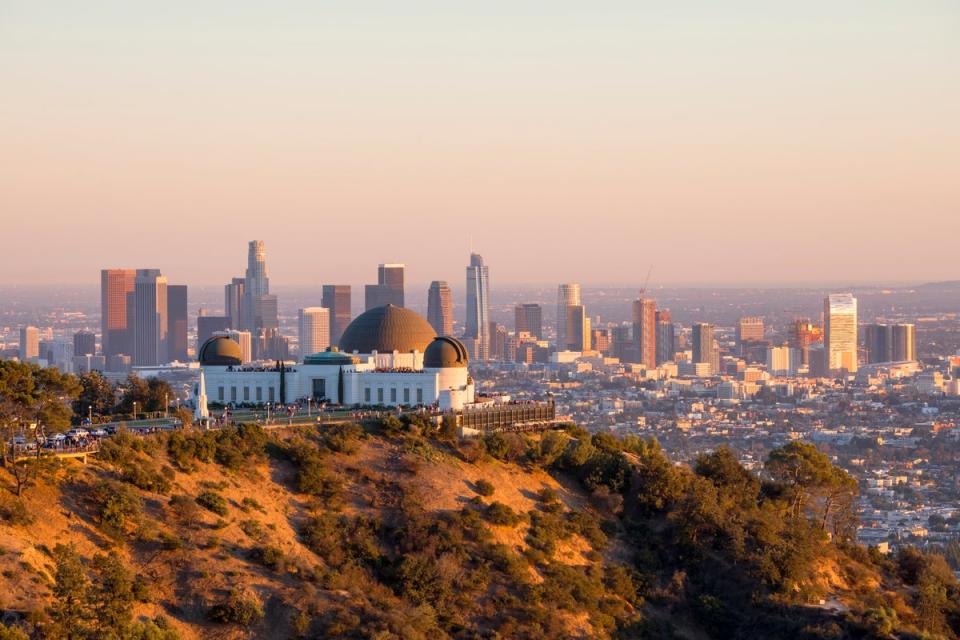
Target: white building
column 389, row 357
column 314, row 330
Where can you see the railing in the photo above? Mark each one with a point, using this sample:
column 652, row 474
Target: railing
column 22, row 452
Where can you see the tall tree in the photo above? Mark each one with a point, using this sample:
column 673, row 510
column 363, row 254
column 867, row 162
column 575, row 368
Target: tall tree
column 69, row 609
column 31, row 395
column 96, row 395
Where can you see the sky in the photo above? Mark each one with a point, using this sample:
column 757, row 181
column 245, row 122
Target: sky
column 716, row 142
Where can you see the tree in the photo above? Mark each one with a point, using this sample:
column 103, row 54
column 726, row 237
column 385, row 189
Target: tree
column 29, row 394
column 150, row 394
column 111, row 596
column 810, row 479
column 96, row 395
column 26, row 471
column 69, row 609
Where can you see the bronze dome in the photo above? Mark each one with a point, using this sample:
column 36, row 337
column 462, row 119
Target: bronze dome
column 445, row 352
column 220, row 351
column 387, row 329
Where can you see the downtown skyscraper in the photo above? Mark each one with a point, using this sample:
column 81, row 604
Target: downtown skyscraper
column 568, row 295
column 337, row 298
column 258, row 309
column 840, row 332
column 528, row 318
column 389, row 287
column 149, row 318
column 478, row 306
column 314, row 330
column 440, row 308
column 645, row 331
column 705, row 348
column 115, row 330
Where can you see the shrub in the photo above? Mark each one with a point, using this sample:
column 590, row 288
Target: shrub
column 238, row 608
column 547, row 495
column 501, row 514
column 484, row 487
column 250, row 503
column 252, row 529
column 213, row 502
column 269, row 556
column 118, row 506
column 14, row 512
column 343, row 438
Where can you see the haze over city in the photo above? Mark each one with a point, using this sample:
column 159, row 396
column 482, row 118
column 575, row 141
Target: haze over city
column 802, row 142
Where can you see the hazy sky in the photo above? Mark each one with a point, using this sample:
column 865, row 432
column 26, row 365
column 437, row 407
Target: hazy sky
column 573, row 141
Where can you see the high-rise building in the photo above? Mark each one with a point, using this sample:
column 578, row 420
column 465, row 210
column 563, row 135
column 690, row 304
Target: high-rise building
column 337, row 298
column 568, row 295
column 233, row 302
column 256, row 284
column 645, row 331
column 477, row 325
column 840, row 332
column 749, row 330
column 314, row 325
column 705, row 348
column 782, row 360
column 389, row 287
column 29, row 343
column 802, row 335
column 84, row 343
column 665, row 337
column 577, row 328
column 150, row 326
column 116, row 333
column 440, row 308
column 890, row 343
column 208, row 325
column 177, row 322
column 529, row 318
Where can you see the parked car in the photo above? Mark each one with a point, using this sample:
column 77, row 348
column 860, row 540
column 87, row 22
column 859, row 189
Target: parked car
column 99, row 433
column 78, row 433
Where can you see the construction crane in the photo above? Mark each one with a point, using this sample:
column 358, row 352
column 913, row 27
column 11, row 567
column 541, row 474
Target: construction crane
column 646, row 281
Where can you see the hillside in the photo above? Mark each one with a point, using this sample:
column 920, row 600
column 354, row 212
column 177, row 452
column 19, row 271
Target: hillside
column 386, row 531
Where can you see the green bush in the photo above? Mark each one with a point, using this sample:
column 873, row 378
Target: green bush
column 501, row 514
column 269, row 556
column 119, row 506
column 238, row 608
column 484, row 487
column 213, row 502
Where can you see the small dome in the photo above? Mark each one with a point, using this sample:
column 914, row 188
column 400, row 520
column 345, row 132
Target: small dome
column 221, row 351
column 387, row 329
column 332, row 356
column 445, row 352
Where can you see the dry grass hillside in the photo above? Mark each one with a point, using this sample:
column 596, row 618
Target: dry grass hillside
column 389, row 530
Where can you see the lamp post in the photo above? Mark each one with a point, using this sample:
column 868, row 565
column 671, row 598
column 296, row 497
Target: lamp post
column 134, row 409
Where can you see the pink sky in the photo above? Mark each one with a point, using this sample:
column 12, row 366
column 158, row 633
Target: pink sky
column 751, row 144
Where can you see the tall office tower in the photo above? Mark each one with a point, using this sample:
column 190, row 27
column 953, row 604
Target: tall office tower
column 645, row 331
column 529, row 318
column 150, row 322
column 440, row 308
column 391, row 277
column 208, row 325
column 802, row 335
column 568, row 295
column 840, row 332
column 498, row 342
column 705, row 347
column 890, row 343
column 116, row 333
column 256, row 284
column 389, row 287
column 782, row 360
column 749, row 330
column 337, row 298
column 314, row 325
column 665, row 337
column 478, row 306
column 233, row 302
column 177, row 322
column 577, row 328
column 904, row 343
column 29, row 343
column 84, row 343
